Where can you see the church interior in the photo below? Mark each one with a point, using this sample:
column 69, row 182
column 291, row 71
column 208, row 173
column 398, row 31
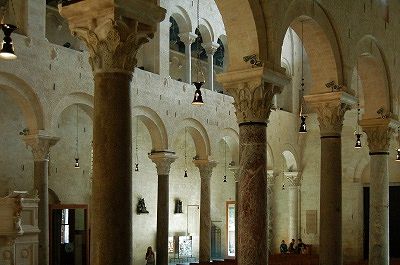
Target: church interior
column 208, row 130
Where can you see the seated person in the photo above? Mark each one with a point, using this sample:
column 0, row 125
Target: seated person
column 283, row 248
column 301, row 247
column 292, row 247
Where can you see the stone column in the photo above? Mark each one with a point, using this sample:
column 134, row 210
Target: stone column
column 252, row 90
column 205, row 168
column 40, row 144
column 188, row 38
column 293, row 180
column 113, row 31
column 235, row 170
column 330, row 108
column 163, row 161
column 270, row 215
column 379, row 132
column 210, row 48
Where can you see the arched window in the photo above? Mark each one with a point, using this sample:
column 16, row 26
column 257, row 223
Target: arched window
column 219, row 54
column 196, row 46
column 175, row 42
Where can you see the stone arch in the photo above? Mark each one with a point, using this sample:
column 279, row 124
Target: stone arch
column 199, row 135
column 290, row 158
column 252, row 25
column 155, row 126
column 83, row 100
column 224, row 48
column 27, row 100
column 231, row 137
column 374, row 87
column 206, row 31
column 270, row 158
column 320, row 42
column 182, row 18
column 359, row 169
column 53, row 197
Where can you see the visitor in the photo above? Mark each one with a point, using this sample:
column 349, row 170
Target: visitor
column 292, row 247
column 301, row 247
column 150, row 258
column 283, row 248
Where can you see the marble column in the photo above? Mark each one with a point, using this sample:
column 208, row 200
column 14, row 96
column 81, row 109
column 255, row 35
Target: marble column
column 113, row 31
column 205, row 167
column 210, row 48
column 270, row 214
column 330, row 108
column 253, row 91
column 293, row 180
column 188, row 38
column 40, row 144
column 163, row 161
column 379, row 133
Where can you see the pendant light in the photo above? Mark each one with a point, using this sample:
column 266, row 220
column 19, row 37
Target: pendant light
column 198, row 98
column 225, row 162
column 185, row 175
column 303, row 125
column 77, row 140
column 398, row 149
column 7, row 47
column 137, row 146
column 357, row 133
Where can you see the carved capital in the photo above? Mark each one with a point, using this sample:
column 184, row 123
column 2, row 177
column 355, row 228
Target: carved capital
column 205, row 167
column 40, row 144
column 330, row 108
column 187, row 38
column 270, row 178
column 113, row 30
column 210, row 47
column 163, row 161
column 293, row 178
column 253, row 96
column 379, row 133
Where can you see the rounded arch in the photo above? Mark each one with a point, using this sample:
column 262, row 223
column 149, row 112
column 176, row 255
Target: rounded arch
column 270, row 158
column 252, row 25
column 231, row 137
column 155, row 126
column 374, row 87
column 319, row 40
column 182, row 18
column 359, row 169
column 290, row 161
column 27, row 100
column 84, row 100
column 53, row 197
column 199, row 135
column 206, row 31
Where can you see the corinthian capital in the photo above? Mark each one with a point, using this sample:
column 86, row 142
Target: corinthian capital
column 252, row 93
column 40, row 144
column 163, row 161
column 205, row 167
column 113, row 30
column 379, row 133
column 330, row 108
column 293, row 178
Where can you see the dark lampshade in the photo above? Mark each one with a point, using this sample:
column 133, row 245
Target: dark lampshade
column 136, row 167
column 186, row 175
column 358, row 141
column 77, row 163
column 7, row 50
column 303, row 125
column 198, row 98
column 398, row 155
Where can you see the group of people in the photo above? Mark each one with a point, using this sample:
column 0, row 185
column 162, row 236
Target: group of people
column 299, row 248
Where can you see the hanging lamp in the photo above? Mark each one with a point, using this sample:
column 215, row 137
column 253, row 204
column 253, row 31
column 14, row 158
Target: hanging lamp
column 303, row 125
column 77, row 140
column 398, row 149
column 185, row 175
column 137, row 146
column 357, row 133
column 7, row 48
column 225, row 162
column 198, row 98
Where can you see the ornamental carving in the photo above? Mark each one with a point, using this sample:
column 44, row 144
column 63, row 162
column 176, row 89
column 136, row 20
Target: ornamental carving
column 163, row 162
column 379, row 138
column 293, row 179
column 40, row 145
column 330, row 117
column 113, row 45
column 253, row 101
column 205, row 167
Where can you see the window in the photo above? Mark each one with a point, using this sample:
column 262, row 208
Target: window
column 230, row 223
column 65, row 226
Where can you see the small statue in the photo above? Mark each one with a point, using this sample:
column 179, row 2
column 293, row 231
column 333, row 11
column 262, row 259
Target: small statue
column 141, row 206
column 178, row 206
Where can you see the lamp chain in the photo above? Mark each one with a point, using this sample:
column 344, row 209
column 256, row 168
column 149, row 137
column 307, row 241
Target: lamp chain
column 136, row 142
column 185, row 149
column 302, row 70
column 77, row 135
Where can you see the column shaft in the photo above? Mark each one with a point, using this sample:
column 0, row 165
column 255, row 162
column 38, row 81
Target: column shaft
column 210, row 71
column 111, row 215
column 379, row 210
column 162, row 219
column 41, row 184
column 331, row 201
column 188, row 63
column 252, row 215
column 205, row 221
column 293, row 212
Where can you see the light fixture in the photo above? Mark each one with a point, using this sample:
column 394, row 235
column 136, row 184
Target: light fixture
column 357, row 133
column 198, row 99
column 225, row 161
column 185, row 175
column 398, row 155
column 7, row 50
column 77, row 140
column 136, row 145
column 303, row 125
